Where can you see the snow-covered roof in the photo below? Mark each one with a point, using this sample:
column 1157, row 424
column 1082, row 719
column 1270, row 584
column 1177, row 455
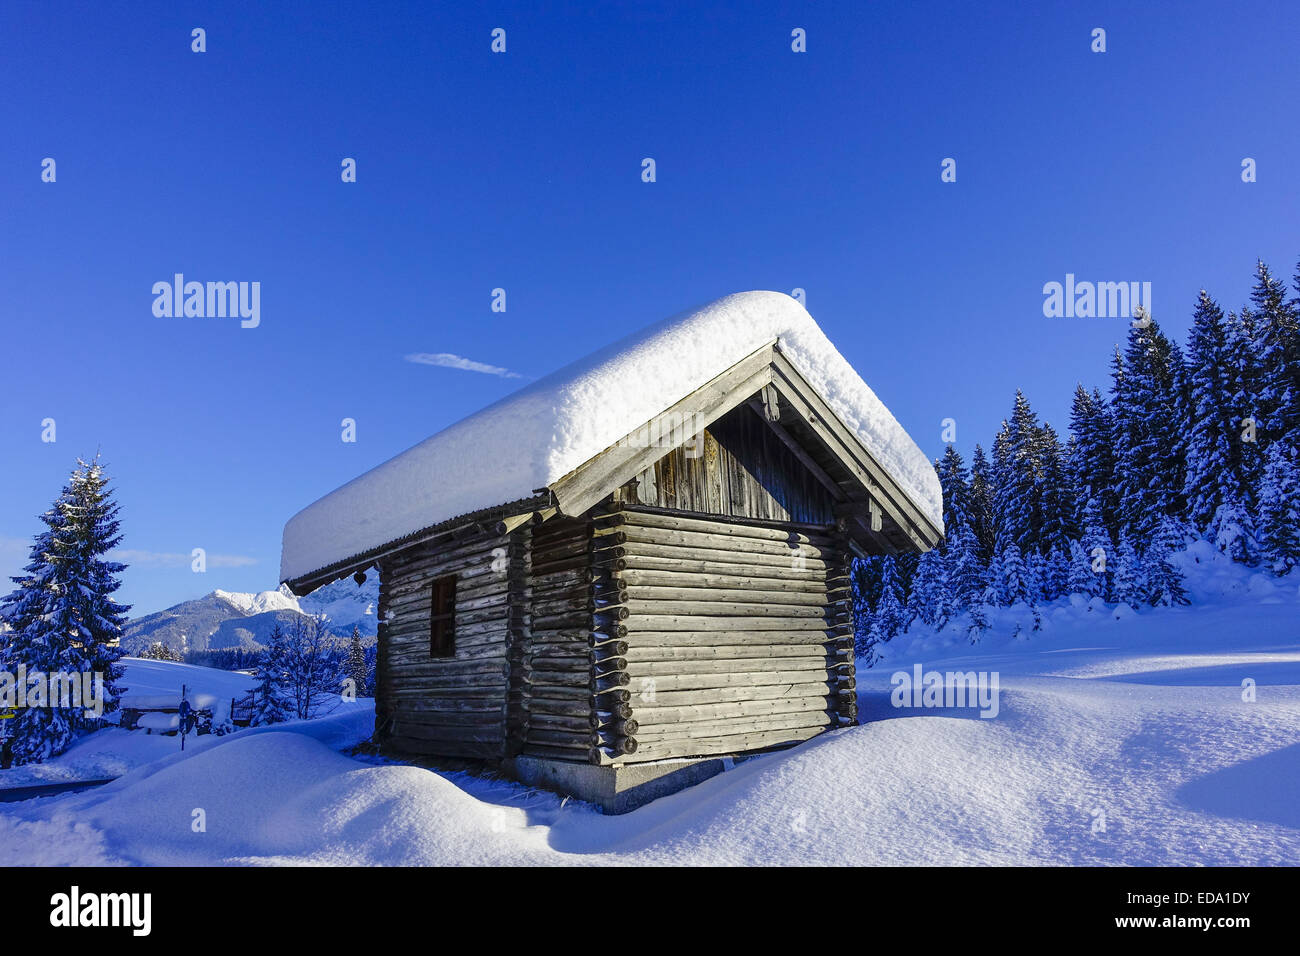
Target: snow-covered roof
column 528, row 440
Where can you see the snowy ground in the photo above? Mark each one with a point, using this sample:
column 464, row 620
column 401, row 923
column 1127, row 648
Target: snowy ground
column 1137, row 718
column 113, row 752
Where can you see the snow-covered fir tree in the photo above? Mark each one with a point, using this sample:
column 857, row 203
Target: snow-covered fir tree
column 269, row 703
column 889, row 613
column 1279, row 508
column 980, row 510
column 1128, row 585
column 1093, row 576
column 1277, row 346
column 1217, row 489
column 1055, row 505
column 955, row 486
column 62, row 616
column 1083, row 579
column 1015, row 478
column 929, row 601
column 354, row 669
column 1009, row 578
column 967, row 574
column 1162, row 581
column 1091, row 459
column 1151, row 422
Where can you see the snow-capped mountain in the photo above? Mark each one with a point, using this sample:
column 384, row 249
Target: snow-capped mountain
column 225, row 619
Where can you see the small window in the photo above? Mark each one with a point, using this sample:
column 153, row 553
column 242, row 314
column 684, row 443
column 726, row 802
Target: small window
column 442, row 620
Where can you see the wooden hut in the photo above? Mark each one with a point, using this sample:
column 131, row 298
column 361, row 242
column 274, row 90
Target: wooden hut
column 636, row 566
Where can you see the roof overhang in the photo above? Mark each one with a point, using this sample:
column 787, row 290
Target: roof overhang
column 871, row 507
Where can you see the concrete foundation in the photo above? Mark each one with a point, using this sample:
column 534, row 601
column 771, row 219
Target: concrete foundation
column 616, row 789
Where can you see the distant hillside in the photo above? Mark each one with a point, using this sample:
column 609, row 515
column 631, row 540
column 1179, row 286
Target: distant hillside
column 226, row 619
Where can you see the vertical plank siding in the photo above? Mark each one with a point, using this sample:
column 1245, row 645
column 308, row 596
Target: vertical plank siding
column 740, row 469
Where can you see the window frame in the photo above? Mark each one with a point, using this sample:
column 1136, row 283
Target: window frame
column 442, row 617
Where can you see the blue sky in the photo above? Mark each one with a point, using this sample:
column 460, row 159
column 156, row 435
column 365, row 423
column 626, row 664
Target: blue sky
column 522, row 170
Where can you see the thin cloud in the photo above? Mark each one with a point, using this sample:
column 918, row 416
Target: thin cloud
column 448, row 360
column 164, row 559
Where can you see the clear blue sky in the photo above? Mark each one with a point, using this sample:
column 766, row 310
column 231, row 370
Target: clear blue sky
column 775, row 170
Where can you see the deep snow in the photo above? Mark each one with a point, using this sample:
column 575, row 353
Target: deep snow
column 547, row 429
column 113, row 752
column 1137, row 719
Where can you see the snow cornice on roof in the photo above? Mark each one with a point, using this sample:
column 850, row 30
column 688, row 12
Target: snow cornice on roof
column 528, row 441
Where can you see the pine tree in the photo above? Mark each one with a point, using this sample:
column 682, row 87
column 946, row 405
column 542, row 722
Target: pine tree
column 62, row 616
column 1128, row 586
column 1243, row 374
column 1015, row 478
column 1151, row 422
column 1279, row 508
column 1055, row 574
column 1010, row 582
column 1091, row 459
column 1277, row 344
column 955, row 485
column 929, row 601
column 269, row 704
column 355, row 667
column 1216, row 487
column 1083, row 579
column 889, row 614
column 966, row 576
column 1094, row 576
column 1163, row 583
column 1055, row 505
column 980, row 504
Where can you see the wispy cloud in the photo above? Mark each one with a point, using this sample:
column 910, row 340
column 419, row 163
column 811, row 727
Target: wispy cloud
column 164, row 559
column 448, row 360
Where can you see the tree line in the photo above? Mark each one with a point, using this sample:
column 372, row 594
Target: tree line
column 1200, row 442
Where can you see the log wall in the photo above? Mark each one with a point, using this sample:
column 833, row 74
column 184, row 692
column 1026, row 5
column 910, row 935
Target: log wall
column 716, row 637
column 551, row 677
column 634, row 636
column 453, row 706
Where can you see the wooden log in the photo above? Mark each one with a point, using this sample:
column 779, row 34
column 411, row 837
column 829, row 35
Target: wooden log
column 720, row 542
column 730, row 743
column 707, row 622
column 667, row 683
column 645, row 695
column 781, row 598
column 638, row 653
column 656, row 715
column 779, row 579
column 785, row 665
column 740, row 528
column 653, row 733
column 718, row 636
column 721, row 561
